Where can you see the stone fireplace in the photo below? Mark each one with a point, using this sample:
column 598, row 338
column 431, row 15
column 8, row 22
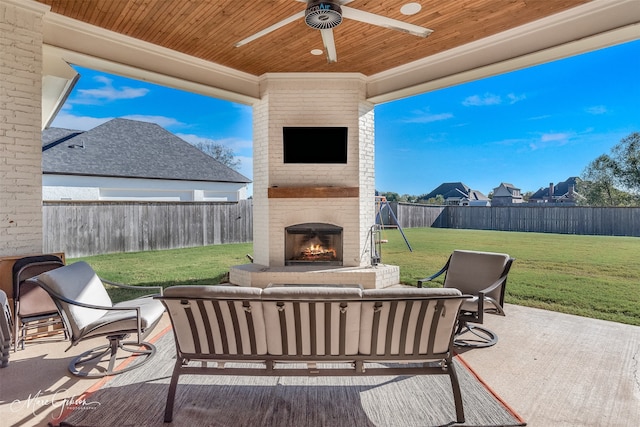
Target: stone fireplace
column 313, row 244
column 327, row 204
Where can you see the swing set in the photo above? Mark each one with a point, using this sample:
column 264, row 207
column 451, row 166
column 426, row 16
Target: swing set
column 378, row 228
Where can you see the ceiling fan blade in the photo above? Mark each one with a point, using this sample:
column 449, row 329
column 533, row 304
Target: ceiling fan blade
column 329, row 45
column 270, row 29
column 381, row 21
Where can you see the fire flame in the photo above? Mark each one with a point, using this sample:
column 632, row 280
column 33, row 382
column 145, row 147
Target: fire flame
column 316, row 250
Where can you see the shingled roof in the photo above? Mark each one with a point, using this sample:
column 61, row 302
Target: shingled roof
column 559, row 190
column 130, row 149
column 449, row 189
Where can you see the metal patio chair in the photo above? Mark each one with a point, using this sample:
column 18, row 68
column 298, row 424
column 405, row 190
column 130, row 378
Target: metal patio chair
column 87, row 310
column 483, row 275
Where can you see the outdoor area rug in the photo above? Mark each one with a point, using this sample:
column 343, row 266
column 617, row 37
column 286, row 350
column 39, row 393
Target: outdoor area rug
column 137, row 398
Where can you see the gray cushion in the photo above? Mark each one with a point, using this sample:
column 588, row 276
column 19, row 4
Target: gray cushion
column 80, row 283
column 472, row 271
column 120, row 321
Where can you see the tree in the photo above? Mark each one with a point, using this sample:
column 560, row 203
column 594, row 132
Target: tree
column 390, row 196
column 626, row 157
column 438, row 200
column 614, row 180
column 219, row 152
column 599, row 180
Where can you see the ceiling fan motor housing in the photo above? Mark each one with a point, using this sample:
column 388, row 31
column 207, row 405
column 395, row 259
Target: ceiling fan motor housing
column 323, row 15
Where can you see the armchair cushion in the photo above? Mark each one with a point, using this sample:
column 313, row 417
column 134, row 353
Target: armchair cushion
column 125, row 320
column 78, row 282
column 472, row 271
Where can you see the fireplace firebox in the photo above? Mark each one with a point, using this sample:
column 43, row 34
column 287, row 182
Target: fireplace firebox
column 313, row 243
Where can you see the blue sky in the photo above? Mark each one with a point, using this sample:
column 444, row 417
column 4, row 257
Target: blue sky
column 528, row 128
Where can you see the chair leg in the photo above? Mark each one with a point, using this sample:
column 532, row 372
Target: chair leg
column 457, row 394
column 143, row 350
column 474, row 336
column 171, row 395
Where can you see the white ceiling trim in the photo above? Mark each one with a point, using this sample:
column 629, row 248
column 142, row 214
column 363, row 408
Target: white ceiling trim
column 93, row 47
column 611, row 38
column 592, row 26
column 595, row 25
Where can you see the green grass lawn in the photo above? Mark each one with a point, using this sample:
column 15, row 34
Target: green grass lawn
column 593, row 276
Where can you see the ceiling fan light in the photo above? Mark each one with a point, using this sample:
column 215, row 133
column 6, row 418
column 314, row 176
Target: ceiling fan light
column 323, row 15
column 410, row 8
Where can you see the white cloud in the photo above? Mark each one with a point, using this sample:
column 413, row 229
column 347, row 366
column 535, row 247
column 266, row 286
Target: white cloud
column 236, row 144
column 107, row 92
column 552, row 139
column 69, row 121
column 159, row 120
column 246, row 166
column 492, row 99
column 596, row 110
column 482, row 100
column 66, row 120
column 513, row 98
column 425, row 116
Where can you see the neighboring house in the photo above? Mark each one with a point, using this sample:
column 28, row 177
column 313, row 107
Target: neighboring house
column 562, row 193
column 132, row 160
column 506, row 195
column 458, row 194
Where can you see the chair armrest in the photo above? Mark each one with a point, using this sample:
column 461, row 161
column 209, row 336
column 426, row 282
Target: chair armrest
column 78, row 303
column 433, row 276
column 159, row 289
column 500, row 281
column 495, row 285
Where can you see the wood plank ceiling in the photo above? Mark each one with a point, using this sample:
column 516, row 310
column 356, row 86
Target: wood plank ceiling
column 209, row 29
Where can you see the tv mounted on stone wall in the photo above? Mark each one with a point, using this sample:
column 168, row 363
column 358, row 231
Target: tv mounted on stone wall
column 315, row 144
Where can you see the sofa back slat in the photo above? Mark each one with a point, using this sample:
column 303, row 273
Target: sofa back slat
column 216, row 320
column 315, row 322
column 407, row 322
column 312, row 328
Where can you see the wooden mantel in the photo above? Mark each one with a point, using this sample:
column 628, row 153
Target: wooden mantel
column 312, row 192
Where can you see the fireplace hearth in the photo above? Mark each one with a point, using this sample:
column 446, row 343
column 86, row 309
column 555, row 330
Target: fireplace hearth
column 313, row 244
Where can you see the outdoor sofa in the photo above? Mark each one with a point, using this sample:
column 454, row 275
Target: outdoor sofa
column 309, row 330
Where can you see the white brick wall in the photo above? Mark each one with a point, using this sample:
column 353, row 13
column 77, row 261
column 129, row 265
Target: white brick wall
column 308, row 100
column 20, row 127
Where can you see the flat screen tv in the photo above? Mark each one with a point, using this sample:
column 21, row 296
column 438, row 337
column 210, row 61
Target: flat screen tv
column 315, row 144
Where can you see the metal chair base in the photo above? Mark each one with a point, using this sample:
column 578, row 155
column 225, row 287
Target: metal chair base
column 143, row 352
column 474, row 337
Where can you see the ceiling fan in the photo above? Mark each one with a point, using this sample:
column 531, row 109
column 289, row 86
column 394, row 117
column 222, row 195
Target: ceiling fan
column 326, row 15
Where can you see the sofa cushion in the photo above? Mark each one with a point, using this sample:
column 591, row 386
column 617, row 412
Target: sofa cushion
column 288, row 306
column 217, row 319
column 388, row 315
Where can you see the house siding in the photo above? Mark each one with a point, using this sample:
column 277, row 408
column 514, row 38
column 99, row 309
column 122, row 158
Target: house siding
column 69, row 187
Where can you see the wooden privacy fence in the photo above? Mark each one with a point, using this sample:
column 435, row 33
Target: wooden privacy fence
column 541, row 219
column 91, row 228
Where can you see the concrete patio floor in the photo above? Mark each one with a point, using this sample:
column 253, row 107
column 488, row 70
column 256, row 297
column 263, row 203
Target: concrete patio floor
column 553, row 369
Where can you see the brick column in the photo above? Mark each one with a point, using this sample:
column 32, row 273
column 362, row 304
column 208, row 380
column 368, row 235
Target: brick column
column 20, row 127
column 313, row 100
